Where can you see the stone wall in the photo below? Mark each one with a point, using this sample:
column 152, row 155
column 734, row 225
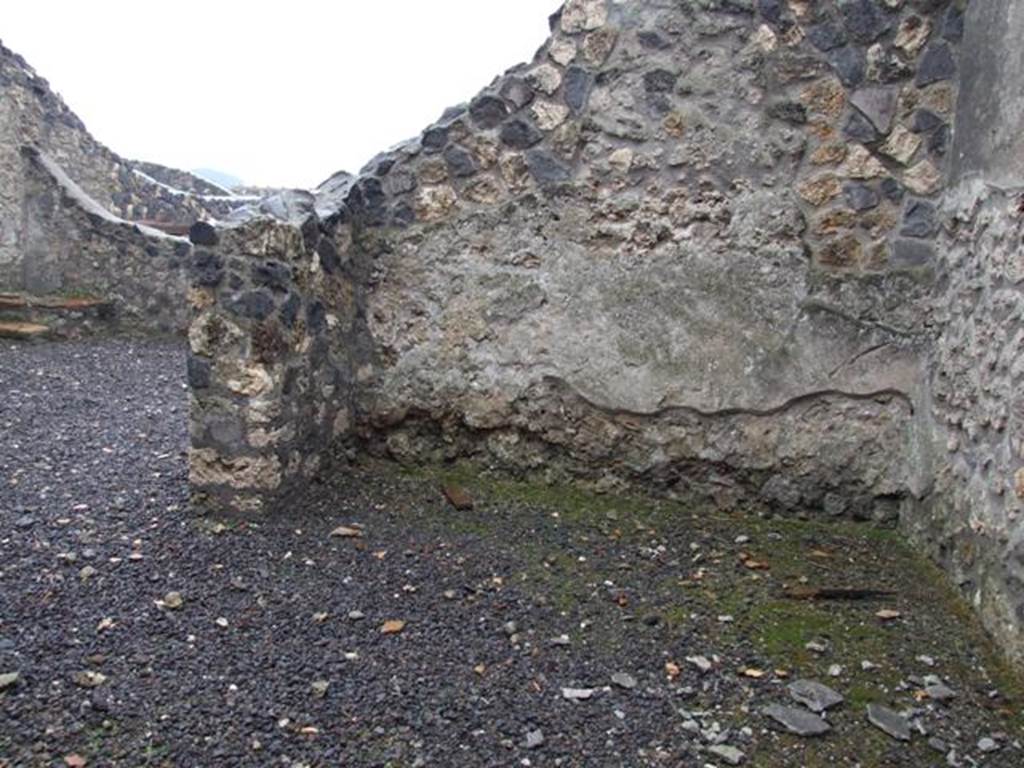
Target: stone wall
column 696, row 217
column 684, row 248
column 272, row 314
column 971, row 514
column 32, row 116
column 74, row 248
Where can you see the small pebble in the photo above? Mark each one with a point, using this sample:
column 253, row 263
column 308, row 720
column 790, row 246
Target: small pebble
column 988, row 744
column 624, row 680
column 534, row 739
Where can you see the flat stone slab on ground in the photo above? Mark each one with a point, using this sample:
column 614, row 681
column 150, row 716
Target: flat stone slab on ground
column 889, row 721
column 814, row 695
column 797, row 720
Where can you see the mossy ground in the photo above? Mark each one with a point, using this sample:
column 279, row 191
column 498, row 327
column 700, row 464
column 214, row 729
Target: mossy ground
column 664, row 581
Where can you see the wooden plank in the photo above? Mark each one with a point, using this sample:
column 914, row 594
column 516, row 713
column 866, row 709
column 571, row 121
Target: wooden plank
column 22, row 330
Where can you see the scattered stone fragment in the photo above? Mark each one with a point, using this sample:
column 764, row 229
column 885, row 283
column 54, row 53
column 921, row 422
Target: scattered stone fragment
column 700, row 662
column 392, row 627
column 172, row 600
column 936, row 690
column 814, row 695
column 835, row 670
column 889, row 721
column 356, row 615
column 319, row 688
column 888, row 614
column 816, row 646
column 534, row 739
column 624, row 680
column 347, row 532
column 9, row 680
column 578, row 694
column 797, row 720
column 987, row 744
column 74, row 760
column 88, row 679
column 729, row 754
column 221, row 622
column 87, row 573
column 457, row 496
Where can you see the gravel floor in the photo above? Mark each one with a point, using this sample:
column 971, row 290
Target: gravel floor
column 671, row 628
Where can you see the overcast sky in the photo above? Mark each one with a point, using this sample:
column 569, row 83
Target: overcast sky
column 277, row 93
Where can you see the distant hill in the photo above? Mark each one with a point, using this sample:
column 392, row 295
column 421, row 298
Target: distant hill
column 225, row 180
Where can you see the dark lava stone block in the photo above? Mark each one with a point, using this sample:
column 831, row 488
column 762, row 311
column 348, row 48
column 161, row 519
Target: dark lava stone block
column 203, row 233
column 864, row 20
column 206, row 268
column 849, row 64
column 545, row 169
column 520, row 134
column 918, row 219
column 199, row 372
column 256, row 305
column 860, row 197
column 273, row 275
column 577, row 84
column 460, row 161
column 434, row 139
column 936, row 64
column 488, row 111
column 660, row 81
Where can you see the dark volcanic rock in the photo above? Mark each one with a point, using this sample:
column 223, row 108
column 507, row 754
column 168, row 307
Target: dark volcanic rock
column 488, row 111
column 520, row 133
column 850, row 64
column 864, row 20
column 936, row 64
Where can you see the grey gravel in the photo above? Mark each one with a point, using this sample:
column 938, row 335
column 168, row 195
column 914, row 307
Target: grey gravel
column 95, row 435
